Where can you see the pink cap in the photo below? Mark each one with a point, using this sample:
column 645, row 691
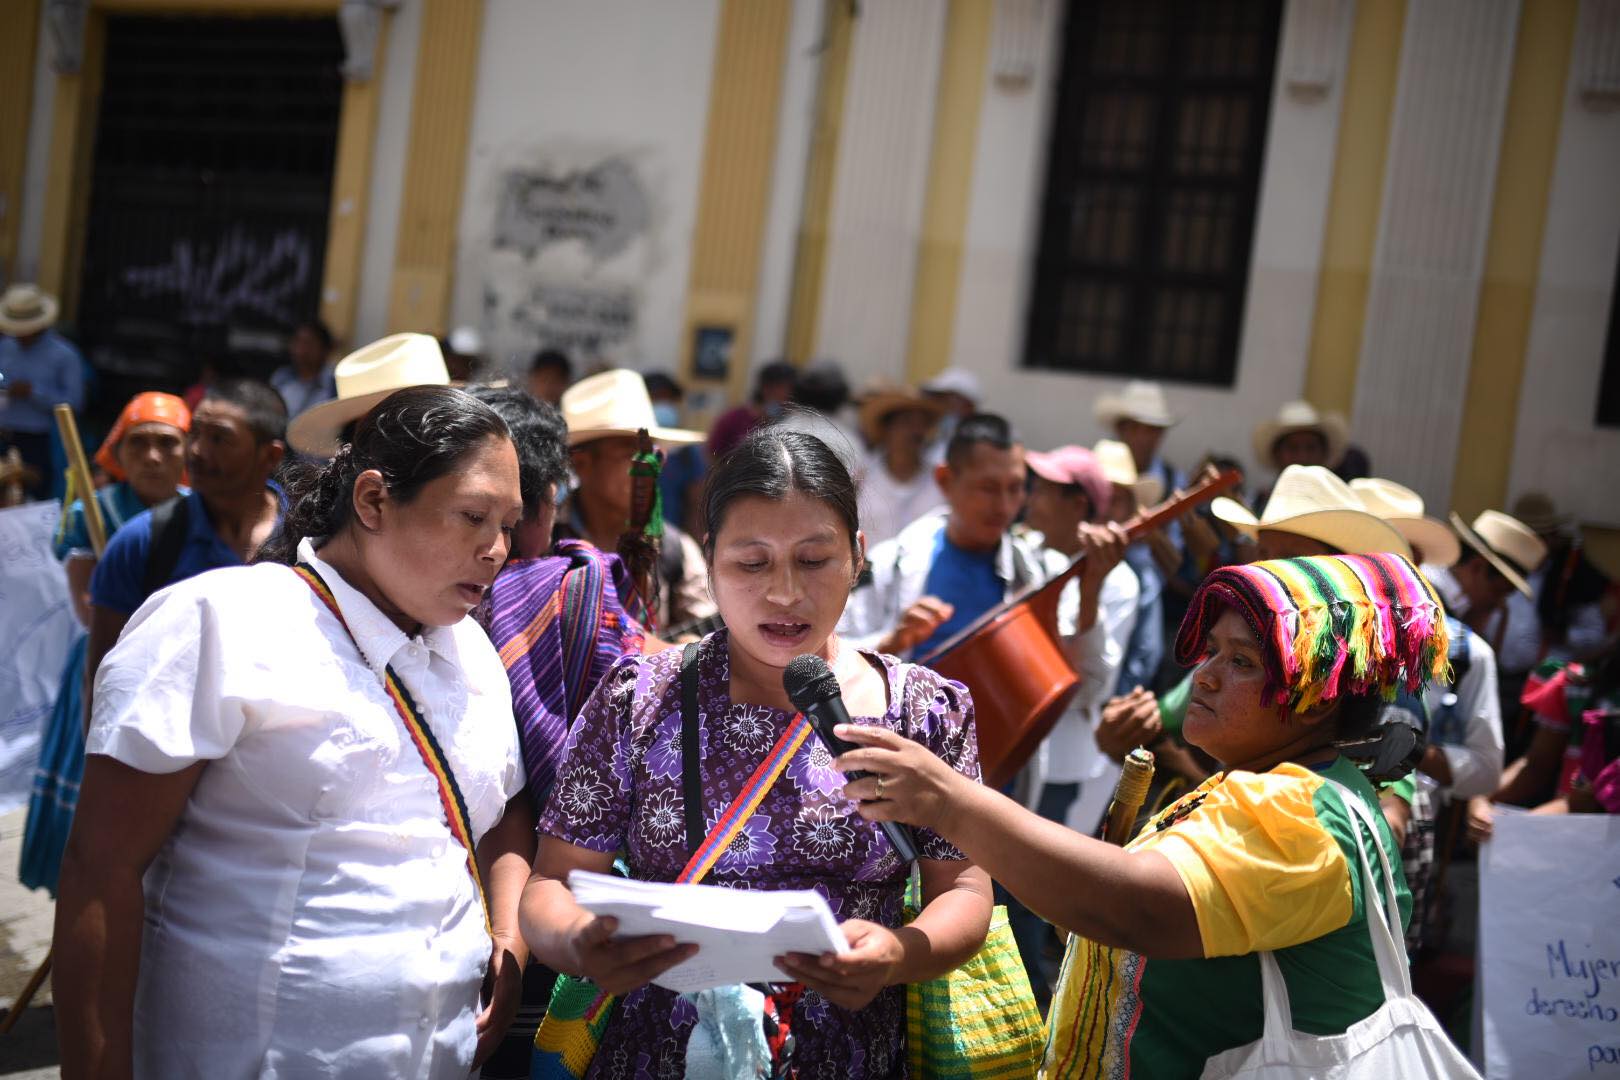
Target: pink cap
column 1073, row 465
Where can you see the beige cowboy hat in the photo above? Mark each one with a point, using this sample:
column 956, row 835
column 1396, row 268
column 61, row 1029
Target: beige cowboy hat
column 1312, row 502
column 1302, row 416
column 1141, row 401
column 25, row 310
column 1120, row 468
column 363, row 378
column 1506, row 543
column 1403, row 508
column 615, row 403
column 879, row 401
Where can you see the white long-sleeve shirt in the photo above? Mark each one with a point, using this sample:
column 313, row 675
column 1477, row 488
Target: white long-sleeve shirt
column 1070, row 753
column 1475, row 759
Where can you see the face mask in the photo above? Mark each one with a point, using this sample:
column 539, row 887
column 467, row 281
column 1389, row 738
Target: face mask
column 774, row 409
column 667, row 413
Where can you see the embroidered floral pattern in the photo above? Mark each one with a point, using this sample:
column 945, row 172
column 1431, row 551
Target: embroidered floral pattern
column 804, row 834
column 582, row 794
column 824, row 833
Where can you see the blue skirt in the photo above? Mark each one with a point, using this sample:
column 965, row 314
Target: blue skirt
column 56, row 781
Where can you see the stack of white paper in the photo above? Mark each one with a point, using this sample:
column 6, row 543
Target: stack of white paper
column 738, row 932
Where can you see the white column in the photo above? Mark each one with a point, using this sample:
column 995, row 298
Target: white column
column 1418, row 336
column 879, row 186
column 1559, row 448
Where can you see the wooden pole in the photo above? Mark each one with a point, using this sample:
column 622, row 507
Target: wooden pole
column 34, row 983
column 79, row 477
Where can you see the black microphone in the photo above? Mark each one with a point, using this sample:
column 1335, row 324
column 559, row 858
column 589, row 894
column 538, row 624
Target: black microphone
column 814, row 691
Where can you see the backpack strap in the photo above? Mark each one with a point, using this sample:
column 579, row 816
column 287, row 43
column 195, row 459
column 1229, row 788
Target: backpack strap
column 171, row 521
column 691, row 774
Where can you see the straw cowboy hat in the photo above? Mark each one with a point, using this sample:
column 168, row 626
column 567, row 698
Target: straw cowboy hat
column 25, row 310
column 881, row 401
column 1141, row 401
column 363, row 378
column 1312, row 502
column 1506, row 543
column 1403, row 508
column 1302, row 416
column 1120, row 468
column 615, row 403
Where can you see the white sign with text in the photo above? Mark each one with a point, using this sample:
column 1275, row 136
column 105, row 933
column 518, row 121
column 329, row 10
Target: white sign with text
column 1550, row 946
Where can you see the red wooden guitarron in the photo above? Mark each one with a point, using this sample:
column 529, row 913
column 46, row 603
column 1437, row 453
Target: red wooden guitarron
column 1010, row 658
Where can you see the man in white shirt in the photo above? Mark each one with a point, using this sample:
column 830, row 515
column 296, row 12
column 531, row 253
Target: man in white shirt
column 1070, row 779
column 897, row 483
column 1498, row 553
column 1095, row 617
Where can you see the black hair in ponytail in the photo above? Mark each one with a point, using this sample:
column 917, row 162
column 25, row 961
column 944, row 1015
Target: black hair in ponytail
column 412, row 437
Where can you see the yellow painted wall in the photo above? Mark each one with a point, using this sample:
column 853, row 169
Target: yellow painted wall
column 968, row 30
column 745, row 94
column 67, row 177
column 435, row 164
column 1507, row 297
column 17, row 55
column 1354, row 204
column 810, row 255
column 351, row 192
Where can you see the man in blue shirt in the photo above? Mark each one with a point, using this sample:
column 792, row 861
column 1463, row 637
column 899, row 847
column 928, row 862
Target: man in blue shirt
column 307, row 379
column 235, row 443
column 39, row 369
column 947, row 568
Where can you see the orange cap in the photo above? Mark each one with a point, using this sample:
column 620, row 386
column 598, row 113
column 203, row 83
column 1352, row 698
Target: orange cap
column 147, row 408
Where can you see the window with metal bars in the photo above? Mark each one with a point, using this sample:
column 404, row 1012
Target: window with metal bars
column 1152, row 182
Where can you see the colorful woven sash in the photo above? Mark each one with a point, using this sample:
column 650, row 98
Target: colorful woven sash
column 455, row 807
column 578, row 1015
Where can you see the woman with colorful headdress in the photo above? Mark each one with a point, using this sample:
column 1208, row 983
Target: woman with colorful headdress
column 1294, row 657
column 144, row 457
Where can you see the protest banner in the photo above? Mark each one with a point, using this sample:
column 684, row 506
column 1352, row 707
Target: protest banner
column 1549, row 946
column 37, row 626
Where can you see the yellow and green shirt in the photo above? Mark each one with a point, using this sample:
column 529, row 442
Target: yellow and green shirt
column 1269, row 860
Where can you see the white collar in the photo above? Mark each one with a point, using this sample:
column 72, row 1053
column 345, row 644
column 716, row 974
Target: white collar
column 375, row 634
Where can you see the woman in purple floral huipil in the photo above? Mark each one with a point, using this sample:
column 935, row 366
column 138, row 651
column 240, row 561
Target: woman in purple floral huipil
column 783, row 554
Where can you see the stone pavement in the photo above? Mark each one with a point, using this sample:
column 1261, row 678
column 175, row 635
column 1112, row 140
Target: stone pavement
column 29, row 1052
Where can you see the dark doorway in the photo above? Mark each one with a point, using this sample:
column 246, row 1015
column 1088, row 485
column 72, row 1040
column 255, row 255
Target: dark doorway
column 212, row 175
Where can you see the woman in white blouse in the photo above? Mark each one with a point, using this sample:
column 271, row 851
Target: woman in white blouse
column 263, row 878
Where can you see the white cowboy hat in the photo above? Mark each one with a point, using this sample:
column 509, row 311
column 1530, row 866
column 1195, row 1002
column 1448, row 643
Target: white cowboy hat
column 1312, row 502
column 25, row 310
column 1141, row 401
column 878, row 401
column 1403, row 508
column 1506, row 543
column 1120, row 468
column 363, row 378
column 1302, row 416
column 615, row 403
column 955, row 380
